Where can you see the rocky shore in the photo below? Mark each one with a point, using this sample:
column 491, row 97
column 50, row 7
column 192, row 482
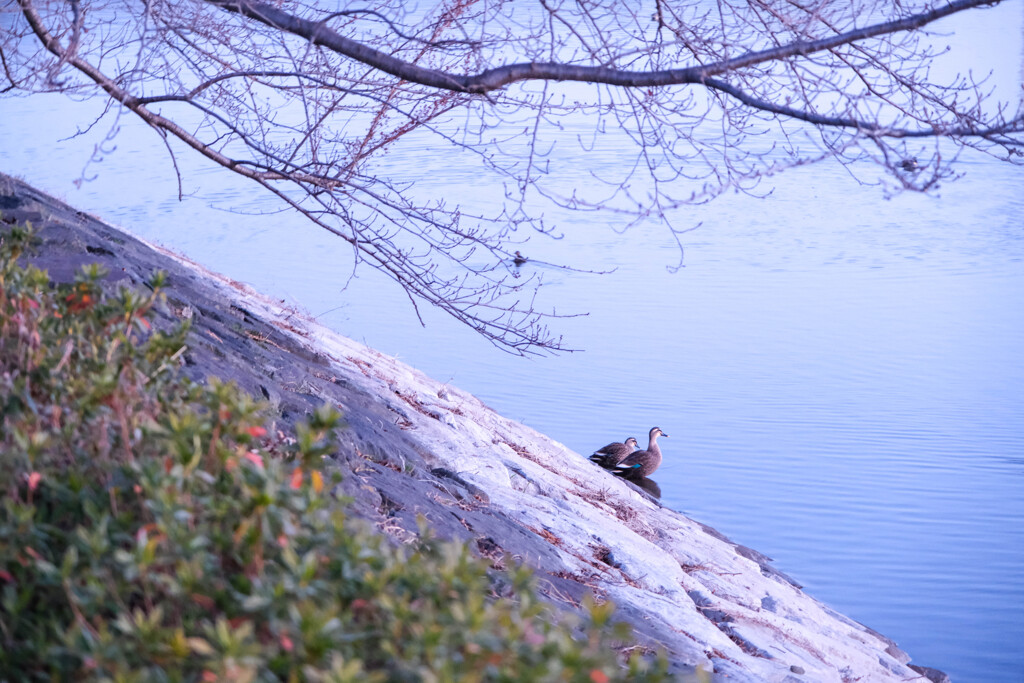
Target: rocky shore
column 416, row 447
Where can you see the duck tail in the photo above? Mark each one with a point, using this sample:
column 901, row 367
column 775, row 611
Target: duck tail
column 626, row 470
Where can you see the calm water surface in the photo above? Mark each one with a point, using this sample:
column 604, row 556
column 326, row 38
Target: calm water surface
column 840, row 374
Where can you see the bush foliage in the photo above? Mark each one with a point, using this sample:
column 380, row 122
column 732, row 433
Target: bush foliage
column 151, row 530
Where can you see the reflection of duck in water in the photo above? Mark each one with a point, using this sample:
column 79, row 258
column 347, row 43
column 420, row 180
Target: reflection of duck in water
column 519, row 259
column 611, row 455
column 649, row 485
column 640, row 464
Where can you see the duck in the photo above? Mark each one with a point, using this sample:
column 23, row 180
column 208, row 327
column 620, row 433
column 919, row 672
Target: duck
column 519, row 259
column 611, row 455
column 910, row 164
column 640, row 464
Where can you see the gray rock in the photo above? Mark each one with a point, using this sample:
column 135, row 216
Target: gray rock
column 933, row 675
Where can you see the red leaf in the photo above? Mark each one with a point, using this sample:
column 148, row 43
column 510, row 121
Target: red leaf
column 203, row 601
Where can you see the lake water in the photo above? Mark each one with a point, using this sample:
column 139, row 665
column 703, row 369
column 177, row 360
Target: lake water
column 841, row 375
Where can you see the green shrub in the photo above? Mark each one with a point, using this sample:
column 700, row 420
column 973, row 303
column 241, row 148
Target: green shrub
column 150, row 530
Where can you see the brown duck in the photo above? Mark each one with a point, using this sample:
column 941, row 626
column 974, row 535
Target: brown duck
column 640, row 464
column 611, row 455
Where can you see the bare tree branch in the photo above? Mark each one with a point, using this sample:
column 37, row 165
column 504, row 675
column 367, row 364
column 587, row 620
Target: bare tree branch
column 493, row 79
column 628, row 109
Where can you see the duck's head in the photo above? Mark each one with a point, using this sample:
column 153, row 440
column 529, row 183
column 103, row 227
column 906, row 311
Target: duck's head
column 631, row 442
column 656, row 432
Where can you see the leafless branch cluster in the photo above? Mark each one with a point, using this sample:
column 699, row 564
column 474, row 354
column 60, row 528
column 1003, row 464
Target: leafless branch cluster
column 306, row 100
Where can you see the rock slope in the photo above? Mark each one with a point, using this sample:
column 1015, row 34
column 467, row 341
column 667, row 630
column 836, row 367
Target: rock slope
column 417, row 447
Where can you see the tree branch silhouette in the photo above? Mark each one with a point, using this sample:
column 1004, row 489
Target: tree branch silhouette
column 307, row 100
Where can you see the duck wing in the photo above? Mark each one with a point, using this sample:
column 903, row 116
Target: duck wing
column 631, row 465
column 609, row 455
